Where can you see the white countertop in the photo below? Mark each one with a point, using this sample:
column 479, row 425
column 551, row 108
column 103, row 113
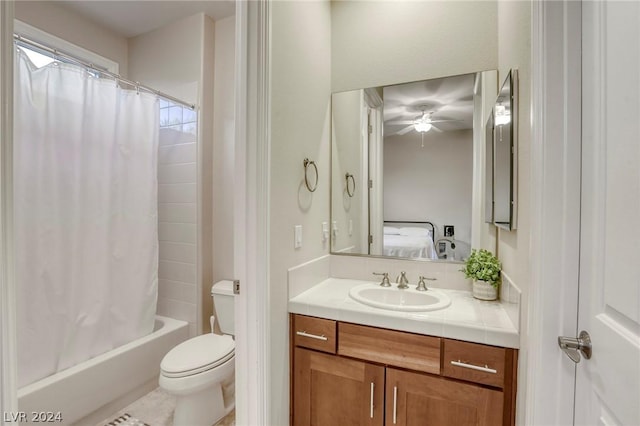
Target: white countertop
column 466, row 318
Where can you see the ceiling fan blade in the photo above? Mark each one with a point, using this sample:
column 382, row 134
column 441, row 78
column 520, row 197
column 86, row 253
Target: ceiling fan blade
column 405, row 130
column 399, row 123
column 436, row 129
column 444, row 121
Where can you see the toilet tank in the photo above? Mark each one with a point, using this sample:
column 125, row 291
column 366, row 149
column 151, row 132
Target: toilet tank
column 223, row 300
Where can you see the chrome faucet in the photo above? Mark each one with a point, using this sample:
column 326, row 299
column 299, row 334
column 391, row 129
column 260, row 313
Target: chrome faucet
column 385, row 279
column 402, row 281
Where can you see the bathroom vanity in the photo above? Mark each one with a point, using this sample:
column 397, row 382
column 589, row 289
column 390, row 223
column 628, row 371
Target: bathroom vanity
column 355, row 364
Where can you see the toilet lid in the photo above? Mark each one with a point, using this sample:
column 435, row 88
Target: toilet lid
column 198, row 354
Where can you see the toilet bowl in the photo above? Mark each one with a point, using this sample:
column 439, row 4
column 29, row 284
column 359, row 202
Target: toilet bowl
column 200, row 371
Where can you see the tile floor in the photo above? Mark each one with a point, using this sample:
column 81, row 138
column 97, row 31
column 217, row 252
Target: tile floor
column 156, row 409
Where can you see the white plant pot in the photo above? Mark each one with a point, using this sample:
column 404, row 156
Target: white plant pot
column 484, row 291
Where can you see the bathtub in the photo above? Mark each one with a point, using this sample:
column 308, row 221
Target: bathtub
column 93, row 389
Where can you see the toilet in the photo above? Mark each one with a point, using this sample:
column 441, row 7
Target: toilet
column 200, row 371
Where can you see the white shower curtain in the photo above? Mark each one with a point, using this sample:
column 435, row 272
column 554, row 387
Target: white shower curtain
column 85, row 197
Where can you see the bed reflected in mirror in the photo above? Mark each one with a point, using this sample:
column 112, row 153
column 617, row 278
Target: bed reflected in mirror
column 409, row 239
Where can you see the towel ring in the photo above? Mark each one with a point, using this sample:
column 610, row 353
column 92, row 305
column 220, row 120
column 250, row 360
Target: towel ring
column 306, row 164
column 349, row 178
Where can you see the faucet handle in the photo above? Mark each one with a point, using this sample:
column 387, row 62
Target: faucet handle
column 385, row 279
column 402, row 281
column 422, row 286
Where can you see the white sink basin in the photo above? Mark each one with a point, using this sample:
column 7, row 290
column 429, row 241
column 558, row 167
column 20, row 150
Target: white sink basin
column 393, row 299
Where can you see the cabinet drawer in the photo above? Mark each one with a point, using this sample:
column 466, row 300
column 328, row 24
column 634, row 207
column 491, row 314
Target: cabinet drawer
column 474, row 362
column 389, row 347
column 314, row 333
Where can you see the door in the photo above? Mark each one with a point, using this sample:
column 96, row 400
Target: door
column 330, row 390
column 608, row 384
column 419, row 399
column 374, row 163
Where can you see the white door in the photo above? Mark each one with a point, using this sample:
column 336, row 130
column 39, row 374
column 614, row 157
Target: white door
column 608, row 384
column 375, row 162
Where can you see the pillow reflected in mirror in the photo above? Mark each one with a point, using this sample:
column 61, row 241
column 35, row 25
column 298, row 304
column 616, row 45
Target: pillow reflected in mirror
column 414, row 232
column 391, row 230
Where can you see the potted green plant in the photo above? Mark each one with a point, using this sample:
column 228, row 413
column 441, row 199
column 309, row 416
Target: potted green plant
column 484, row 268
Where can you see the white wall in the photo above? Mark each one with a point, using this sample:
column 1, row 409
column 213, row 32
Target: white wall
column 66, row 24
column 206, row 174
column 387, row 42
column 514, row 51
column 169, row 59
column 300, row 100
column 223, row 148
column 433, row 183
column 483, row 234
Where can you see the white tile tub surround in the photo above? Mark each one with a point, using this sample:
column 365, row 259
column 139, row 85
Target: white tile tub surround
column 465, row 319
column 447, row 274
column 177, row 214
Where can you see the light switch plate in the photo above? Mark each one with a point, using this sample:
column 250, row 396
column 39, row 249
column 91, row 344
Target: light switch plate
column 297, row 236
column 350, row 227
column 325, row 231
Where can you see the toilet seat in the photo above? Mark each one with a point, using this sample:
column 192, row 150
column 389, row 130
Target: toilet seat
column 197, row 355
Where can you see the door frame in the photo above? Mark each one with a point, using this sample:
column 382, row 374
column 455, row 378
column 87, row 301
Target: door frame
column 8, row 342
column 251, row 210
column 547, row 376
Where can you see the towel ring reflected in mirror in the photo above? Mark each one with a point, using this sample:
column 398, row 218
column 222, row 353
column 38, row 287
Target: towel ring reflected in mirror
column 306, row 164
column 349, row 178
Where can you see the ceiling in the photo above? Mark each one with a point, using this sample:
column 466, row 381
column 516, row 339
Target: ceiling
column 448, row 98
column 135, row 17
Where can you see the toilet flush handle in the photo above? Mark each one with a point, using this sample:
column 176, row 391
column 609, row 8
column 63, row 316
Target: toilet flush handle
column 212, row 320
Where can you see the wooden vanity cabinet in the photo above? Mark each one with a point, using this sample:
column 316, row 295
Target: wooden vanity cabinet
column 420, row 399
column 332, row 390
column 373, row 376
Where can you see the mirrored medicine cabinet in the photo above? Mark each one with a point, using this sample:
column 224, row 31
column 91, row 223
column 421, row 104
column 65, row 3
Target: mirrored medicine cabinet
column 501, row 165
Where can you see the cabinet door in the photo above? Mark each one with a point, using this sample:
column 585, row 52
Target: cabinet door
column 329, row 390
column 418, row 399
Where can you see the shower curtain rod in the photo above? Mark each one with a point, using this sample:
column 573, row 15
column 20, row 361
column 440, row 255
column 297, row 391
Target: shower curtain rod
column 19, row 39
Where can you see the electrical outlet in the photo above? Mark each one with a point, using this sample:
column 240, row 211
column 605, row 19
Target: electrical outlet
column 448, row 231
column 325, row 231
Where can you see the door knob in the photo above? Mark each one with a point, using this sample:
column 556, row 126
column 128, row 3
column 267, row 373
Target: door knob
column 574, row 346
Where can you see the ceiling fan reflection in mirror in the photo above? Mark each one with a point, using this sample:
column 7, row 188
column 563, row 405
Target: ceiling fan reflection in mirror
column 421, row 124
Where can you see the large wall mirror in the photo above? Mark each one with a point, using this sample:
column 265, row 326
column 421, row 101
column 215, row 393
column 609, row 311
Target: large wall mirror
column 404, row 161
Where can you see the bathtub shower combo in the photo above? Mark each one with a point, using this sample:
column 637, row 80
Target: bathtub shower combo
column 86, row 238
